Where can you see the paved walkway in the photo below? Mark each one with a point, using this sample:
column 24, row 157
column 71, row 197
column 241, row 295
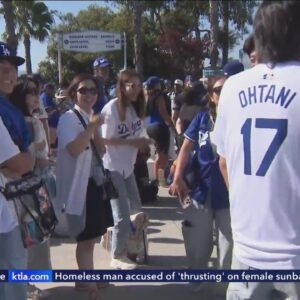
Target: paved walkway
column 166, row 251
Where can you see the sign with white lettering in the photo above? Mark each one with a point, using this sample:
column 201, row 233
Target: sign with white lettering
column 91, row 41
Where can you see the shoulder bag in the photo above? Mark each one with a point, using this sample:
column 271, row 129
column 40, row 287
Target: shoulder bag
column 101, row 176
column 33, row 206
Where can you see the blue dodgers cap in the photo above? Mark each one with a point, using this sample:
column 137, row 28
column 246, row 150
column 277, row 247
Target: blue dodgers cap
column 233, row 67
column 101, row 62
column 6, row 54
column 152, row 81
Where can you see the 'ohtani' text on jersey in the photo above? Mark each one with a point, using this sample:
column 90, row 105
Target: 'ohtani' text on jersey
column 124, row 131
column 265, row 93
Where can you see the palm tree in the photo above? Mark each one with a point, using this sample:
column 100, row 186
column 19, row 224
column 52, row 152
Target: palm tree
column 137, row 24
column 33, row 20
column 214, row 32
column 10, row 20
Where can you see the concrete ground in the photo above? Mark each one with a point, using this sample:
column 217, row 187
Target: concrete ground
column 166, row 251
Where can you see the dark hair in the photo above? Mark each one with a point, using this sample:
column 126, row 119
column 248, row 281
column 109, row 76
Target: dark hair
column 193, row 95
column 276, row 31
column 72, row 90
column 139, row 104
column 37, row 79
column 211, row 105
column 49, row 86
column 18, row 96
column 152, row 105
column 249, row 45
column 64, row 84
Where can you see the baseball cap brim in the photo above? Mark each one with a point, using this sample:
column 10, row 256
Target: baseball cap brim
column 15, row 60
column 107, row 64
column 103, row 65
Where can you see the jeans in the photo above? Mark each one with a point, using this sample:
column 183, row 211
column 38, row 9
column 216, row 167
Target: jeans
column 39, row 257
column 129, row 202
column 197, row 231
column 13, row 255
column 260, row 290
column 225, row 243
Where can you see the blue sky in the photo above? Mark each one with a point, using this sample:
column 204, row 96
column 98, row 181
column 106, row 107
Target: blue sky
column 39, row 50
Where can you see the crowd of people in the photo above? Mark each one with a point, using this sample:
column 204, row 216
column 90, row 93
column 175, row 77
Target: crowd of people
column 234, row 135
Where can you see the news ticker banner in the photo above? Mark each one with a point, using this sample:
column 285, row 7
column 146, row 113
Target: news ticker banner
column 150, row 275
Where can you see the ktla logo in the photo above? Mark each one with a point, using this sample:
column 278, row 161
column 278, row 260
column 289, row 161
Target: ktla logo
column 5, row 51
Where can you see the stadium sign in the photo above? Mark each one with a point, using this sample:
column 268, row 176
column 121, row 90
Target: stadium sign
column 91, row 41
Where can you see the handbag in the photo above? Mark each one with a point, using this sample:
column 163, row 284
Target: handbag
column 33, row 206
column 101, row 176
column 190, row 174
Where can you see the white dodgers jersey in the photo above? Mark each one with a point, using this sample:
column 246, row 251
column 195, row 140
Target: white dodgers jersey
column 258, row 133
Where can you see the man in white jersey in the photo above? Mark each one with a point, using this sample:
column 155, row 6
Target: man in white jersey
column 12, row 252
column 258, row 140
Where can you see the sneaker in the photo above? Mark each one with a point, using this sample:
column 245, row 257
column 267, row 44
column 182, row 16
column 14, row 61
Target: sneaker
column 34, row 293
column 123, row 263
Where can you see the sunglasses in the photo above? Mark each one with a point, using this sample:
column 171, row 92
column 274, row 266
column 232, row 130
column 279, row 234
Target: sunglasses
column 84, row 91
column 217, row 89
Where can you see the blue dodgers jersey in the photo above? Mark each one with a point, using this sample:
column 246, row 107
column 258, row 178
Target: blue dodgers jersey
column 207, row 164
column 49, row 103
column 15, row 124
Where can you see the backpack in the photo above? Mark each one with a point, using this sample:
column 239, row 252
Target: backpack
column 148, row 189
column 151, row 105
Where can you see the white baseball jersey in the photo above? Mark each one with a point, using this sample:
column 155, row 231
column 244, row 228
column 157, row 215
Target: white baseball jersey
column 120, row 158
column 258, row 133
column 8, row 149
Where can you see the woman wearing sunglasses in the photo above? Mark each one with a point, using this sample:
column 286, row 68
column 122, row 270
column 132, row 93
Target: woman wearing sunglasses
column 122, row 130
column 88, row 215
column 209, row 201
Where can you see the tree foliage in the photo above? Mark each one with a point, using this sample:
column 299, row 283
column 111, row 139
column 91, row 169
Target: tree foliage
column 10, row 25
column 174, row 35
column 25, row 20
column 33, row 20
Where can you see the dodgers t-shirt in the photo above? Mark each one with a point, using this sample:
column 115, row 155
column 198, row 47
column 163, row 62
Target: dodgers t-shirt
column 120, row 158
column 210, row 178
